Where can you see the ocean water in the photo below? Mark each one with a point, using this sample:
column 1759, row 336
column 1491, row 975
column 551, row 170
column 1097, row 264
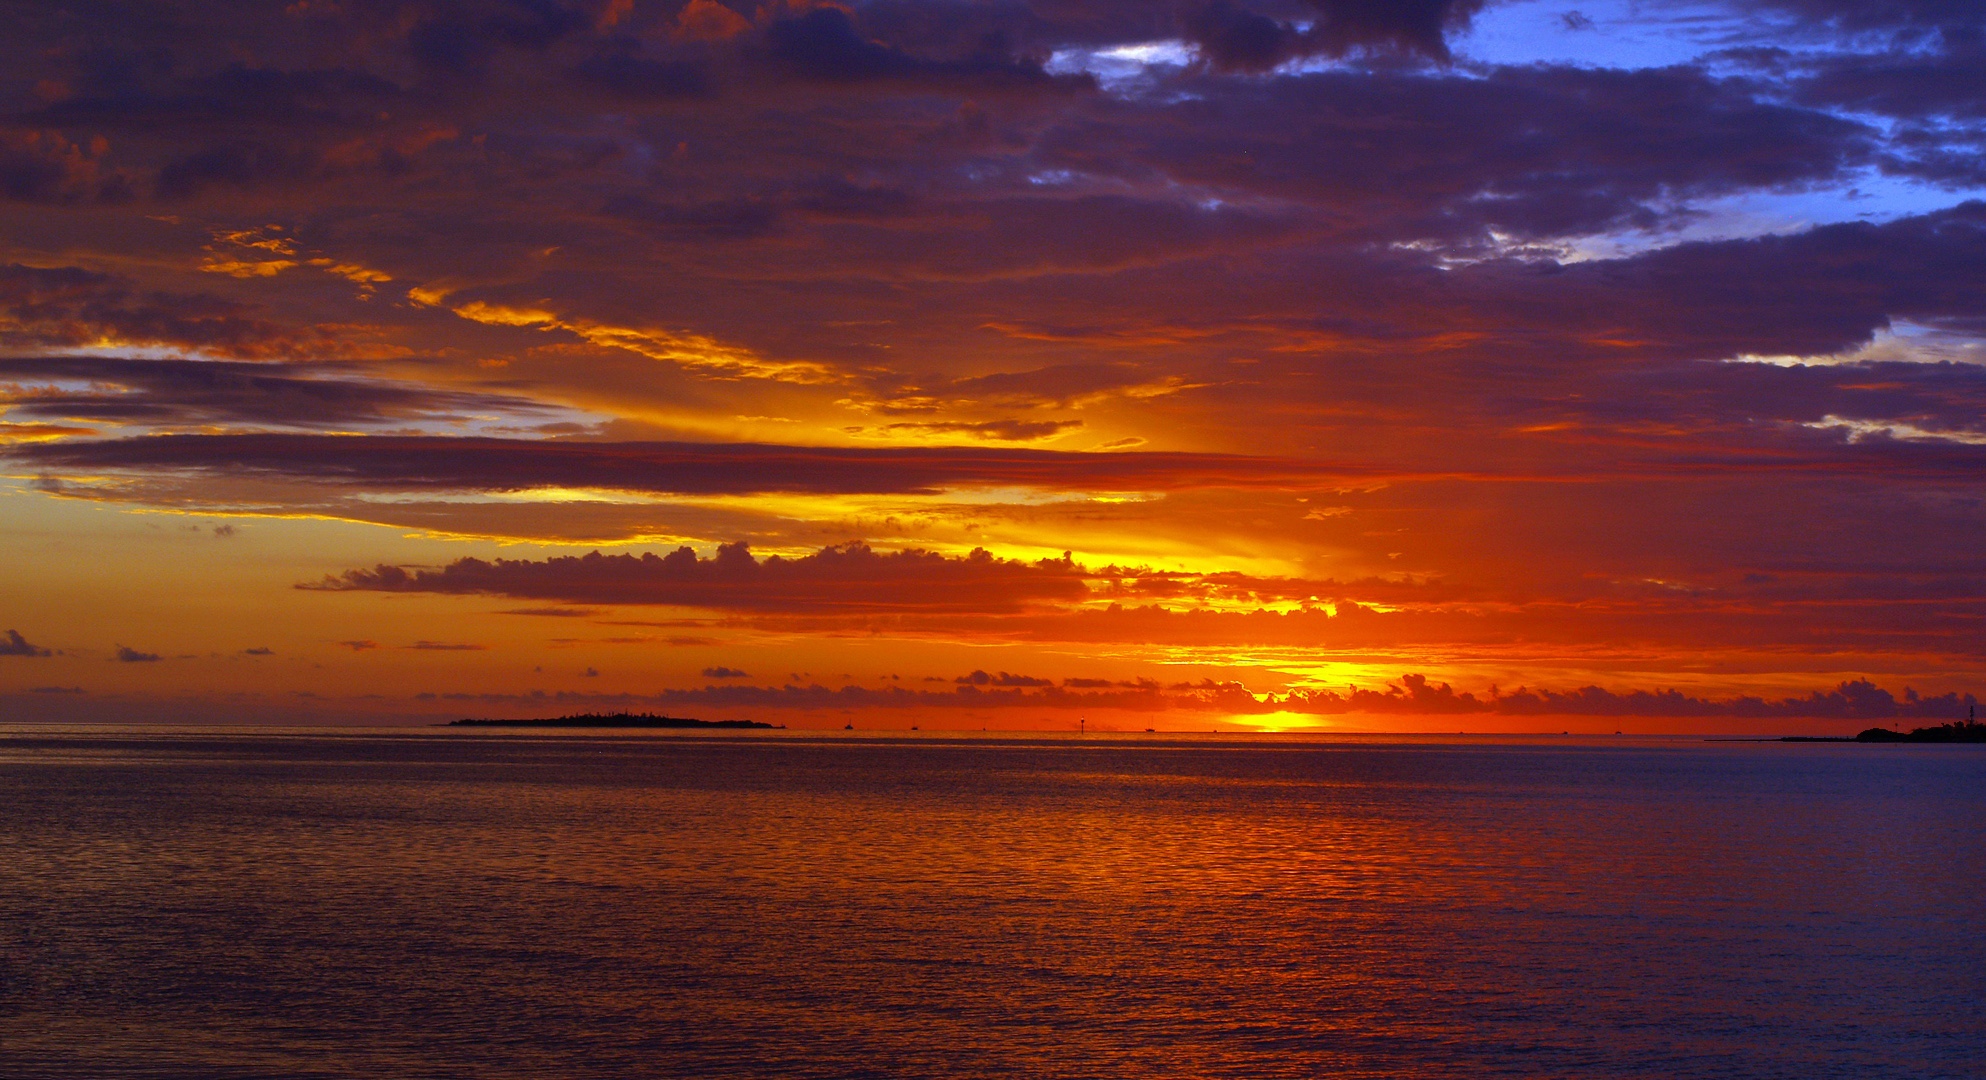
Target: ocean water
column 228, row 904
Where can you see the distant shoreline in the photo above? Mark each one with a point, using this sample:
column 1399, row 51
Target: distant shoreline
column 615, row 720
column 1965, row 731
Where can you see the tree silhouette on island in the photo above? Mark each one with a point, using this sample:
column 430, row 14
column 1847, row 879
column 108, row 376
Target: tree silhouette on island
column 1967, row 730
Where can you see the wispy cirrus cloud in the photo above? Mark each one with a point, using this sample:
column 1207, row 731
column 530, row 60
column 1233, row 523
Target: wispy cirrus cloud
column 402, row 463
column 171, row 392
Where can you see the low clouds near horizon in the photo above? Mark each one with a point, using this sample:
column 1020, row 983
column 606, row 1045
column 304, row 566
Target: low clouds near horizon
column 16, row 645
column 1409, row 695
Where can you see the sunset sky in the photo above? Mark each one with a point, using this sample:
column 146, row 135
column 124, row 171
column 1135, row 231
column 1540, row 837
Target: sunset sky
column 1005, row 363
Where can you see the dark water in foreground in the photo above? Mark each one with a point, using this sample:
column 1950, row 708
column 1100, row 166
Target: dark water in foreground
column 228, row 905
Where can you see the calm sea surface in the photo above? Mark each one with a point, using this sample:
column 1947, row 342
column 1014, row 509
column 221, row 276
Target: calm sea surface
column 358, row 904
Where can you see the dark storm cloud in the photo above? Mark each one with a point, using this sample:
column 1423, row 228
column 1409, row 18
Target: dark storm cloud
column 199, row 119
column 835, row 197
column 824, row 45
column 850, row 578
column 1234, row 37
column 37, row 167
column 1919, row 62
column 1411, row 24
column 16, row 645
column 188, row 116
column 642, row 79
column 1474, row 329
column 1813, row 292
column 223, row 98
column 1932, row 95
column 394, row 462
column 1919, row 84
column 1946, row 399
column 1535, row 152
column 1002, row 231
column 68, row 306
column 724, row 673
column 459, row 37
column 724, row 219
column 1530, row 137
column 237, row 163
column 130, row 655
column 1385, row 152
column 126, row 390
column 1238, row 35
column 227, row 100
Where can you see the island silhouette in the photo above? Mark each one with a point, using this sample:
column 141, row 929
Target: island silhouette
column 616, row 720
column 1966, row 730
